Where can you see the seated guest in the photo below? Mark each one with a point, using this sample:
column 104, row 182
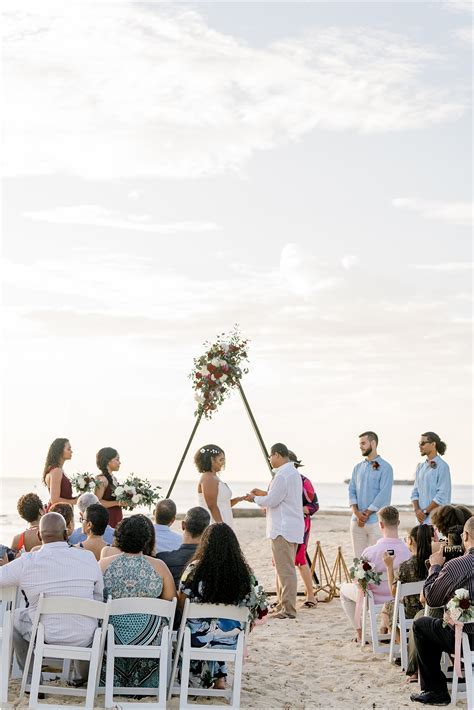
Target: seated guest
column 165, row 515
column 432, row 636
column 94, row 524
column 388, row 520
column 196, row 521
column 56, row 569
column 30, row 507
column 447, row 516
column 67, row 512
column 83, row 502
column 131, row 573
column 3, row 555
column 413, row 570
column 219, row 574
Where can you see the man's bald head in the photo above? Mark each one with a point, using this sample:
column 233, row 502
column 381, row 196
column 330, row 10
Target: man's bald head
column 469, row 530
column 52, row 528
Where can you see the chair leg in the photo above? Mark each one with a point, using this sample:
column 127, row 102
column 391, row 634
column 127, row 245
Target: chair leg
column 91, row 679
column 163, row 674
column 185, row 663
column 36, row 675
column 237, row 684
column 364, row 622
column 109, row 670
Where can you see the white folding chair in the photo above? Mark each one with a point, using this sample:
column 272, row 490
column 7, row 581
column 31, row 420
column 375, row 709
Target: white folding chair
column 399, row 621
column 193, row 610
column 467, row 660
column 371, row 609
column 67, row 606
column 7, row 607
column 162, row 653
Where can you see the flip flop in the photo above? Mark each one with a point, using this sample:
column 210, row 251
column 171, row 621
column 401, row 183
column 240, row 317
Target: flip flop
column 309, row 604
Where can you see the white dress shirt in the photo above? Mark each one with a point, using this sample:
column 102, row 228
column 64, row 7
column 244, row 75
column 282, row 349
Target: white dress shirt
column 284, row 504
column 57, row 570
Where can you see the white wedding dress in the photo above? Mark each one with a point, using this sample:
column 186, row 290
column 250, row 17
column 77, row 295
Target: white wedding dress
column 224, row 495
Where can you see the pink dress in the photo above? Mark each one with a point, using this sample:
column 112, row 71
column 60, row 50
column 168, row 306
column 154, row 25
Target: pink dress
column 311, row 503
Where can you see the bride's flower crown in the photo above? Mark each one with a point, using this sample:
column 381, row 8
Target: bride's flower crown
column 210, row 451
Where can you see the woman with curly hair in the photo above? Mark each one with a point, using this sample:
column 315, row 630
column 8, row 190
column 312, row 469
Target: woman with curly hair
column 447, row 516
column 218, row 574
column 214, row 494
column 132, row 573
column 30, row 507
column 108, row 463
column 54, row 478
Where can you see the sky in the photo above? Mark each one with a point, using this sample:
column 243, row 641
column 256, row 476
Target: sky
column 301, row 169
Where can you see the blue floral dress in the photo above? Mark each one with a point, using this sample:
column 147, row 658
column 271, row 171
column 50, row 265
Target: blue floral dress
column 134, row 576
column 208, row 633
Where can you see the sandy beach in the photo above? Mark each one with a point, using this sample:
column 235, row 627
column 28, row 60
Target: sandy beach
column 308, row 662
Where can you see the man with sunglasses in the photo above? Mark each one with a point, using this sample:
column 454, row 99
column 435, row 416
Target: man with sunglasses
column 432, row 478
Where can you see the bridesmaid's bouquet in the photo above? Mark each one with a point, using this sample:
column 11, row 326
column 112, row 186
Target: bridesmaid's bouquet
column 84, row 483
column 136, row 491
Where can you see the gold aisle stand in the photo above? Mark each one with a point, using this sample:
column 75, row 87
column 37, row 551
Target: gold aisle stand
column 326, row 583
column 338, row 571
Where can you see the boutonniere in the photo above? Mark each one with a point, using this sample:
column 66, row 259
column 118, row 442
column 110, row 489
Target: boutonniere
column 433, row 464
column 375, row 465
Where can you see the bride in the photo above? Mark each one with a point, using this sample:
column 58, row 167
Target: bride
column 214, row 494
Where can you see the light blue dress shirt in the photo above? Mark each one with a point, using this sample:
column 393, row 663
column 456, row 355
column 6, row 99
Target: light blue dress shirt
column 369, row 488
column 167, row 540
column 432, row 484
column 79, row 536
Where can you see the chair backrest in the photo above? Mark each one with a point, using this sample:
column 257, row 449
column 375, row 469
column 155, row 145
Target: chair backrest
column 143, row 605
column 409, row 588
column 72, row 605
column 8, row 597
column 194, row 610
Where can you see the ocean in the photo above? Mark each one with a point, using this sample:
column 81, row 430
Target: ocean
column 332, row 497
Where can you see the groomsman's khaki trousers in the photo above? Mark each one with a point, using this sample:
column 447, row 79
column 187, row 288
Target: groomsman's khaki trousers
column 284, row 554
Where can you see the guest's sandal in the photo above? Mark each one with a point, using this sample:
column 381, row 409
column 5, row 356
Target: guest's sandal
column 310, row 604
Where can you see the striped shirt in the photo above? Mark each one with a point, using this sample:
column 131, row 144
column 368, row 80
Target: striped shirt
column 442, row 582
column 56, row 570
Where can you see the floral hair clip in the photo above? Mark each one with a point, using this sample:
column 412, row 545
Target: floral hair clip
column 209, row 451
column 433, row 464
column 375, row 465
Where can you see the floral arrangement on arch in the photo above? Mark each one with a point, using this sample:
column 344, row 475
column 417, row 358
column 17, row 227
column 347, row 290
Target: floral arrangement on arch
column 459, row 608
column 364, row 574
column 136, row 491
column 84, row 483
column 218, row 370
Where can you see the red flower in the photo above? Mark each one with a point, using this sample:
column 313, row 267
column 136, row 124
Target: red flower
column 375, row 465
column 464, row 603
column 261, row 613
column 366, row 566
column 433, row 464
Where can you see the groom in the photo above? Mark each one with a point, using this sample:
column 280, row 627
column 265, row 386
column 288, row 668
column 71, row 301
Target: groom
column 285, row 525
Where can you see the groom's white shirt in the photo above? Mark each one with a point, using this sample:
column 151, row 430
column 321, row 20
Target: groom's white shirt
column 284, row 504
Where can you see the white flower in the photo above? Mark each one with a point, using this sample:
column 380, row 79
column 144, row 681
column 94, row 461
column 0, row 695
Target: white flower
column 204, row 371
column 130, row 489
column 461, row 594
column 360, row 574
column 119, row 491
column 216, row 362
column 198, row 398
column 223, row 378
column 136, row 498
column 81, row 482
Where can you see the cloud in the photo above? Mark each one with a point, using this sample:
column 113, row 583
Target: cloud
column 449, row 266
column 464, row 6
column 299, row 269
column 465, row 34
column 116, row 90
column 454, row 212
column 349, row 261
column 101, row 217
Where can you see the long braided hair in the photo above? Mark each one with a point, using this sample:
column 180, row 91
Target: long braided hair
column 102, row 459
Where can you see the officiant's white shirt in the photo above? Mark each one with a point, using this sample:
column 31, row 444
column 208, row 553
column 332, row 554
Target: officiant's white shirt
column 284, row 504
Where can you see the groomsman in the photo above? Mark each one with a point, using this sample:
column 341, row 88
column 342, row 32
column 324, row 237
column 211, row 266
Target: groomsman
column 370, row 489
column 432, row 478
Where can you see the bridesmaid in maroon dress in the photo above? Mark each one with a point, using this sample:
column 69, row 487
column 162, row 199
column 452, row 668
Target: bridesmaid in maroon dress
column 58, row 484
column 108, row 462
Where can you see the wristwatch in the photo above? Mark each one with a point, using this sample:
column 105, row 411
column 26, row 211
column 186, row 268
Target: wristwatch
column 424, row 511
